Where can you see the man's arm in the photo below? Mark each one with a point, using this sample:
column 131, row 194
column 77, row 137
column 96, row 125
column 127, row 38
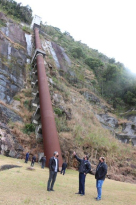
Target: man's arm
column 78, row 159
column 104, row 171
column 58, row 164
column 75, row 156
column 88, row 166
column 50, row 162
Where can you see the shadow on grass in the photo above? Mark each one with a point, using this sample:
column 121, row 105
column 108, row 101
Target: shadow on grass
column 8, row 166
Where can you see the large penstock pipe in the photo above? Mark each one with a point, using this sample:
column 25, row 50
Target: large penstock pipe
column 49, row 131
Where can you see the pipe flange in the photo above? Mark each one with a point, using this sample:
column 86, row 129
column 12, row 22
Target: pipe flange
column 39, row 54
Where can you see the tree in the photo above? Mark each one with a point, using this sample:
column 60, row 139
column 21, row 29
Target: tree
column 77, row 52
column 112, row 60
column 24, row 13
column 93, row 63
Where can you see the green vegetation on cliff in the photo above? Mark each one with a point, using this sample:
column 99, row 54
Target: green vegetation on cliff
column 112, row 80
column 16, row 10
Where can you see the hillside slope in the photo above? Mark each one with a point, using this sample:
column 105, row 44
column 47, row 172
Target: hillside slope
column 85, row 121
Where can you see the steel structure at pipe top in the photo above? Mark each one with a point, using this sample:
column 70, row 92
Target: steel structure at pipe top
column 44, row 112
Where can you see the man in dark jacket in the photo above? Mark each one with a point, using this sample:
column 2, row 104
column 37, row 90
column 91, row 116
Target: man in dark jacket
column 100, row 174
column 33, row 161
column 43, row 161
column 64, row 166
column 27, row 157
column 53, row 169
column 84, row 168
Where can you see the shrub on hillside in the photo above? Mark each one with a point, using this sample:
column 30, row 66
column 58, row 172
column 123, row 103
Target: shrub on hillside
column 112, row 60
column 77, row 52
column 58, row 111
column 130, row 98
column 61, row 124
column 2, row 23
column 93, row 62
column 28, row 128
column 27, row 29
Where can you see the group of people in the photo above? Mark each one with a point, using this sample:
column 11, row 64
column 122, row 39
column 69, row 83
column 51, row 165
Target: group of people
column 42, row 160
column 84, row 169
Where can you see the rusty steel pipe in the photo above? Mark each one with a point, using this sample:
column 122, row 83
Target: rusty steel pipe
column 37, row 39
column 49, row 131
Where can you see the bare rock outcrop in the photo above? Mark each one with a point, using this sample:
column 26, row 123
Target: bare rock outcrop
column 7, row 115
column 9, row 146
column 13, row 55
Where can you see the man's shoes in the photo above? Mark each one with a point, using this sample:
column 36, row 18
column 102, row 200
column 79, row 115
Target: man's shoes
column 48, row 190
column 81, row 194
column 98, row 199
column 78, row 193
column 52, row 190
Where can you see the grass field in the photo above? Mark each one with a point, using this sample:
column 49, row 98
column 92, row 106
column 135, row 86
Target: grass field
column 22, row 186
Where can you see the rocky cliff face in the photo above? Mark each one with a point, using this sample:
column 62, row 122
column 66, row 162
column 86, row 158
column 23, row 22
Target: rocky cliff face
column 14, row 52
column 13, row 55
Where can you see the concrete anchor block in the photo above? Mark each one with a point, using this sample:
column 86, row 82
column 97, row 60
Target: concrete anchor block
column 37, row 51
column 34, row 84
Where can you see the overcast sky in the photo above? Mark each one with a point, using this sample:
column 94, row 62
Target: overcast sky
column 106, row 25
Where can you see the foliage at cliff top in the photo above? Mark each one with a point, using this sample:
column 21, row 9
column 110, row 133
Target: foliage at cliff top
column 16, row 10
column 115, row 82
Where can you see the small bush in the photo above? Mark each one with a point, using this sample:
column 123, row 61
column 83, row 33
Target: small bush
column 74, row 54
column 16, row 98
column 27, row 29
column 28, row 93
column 29, row 128
column 93, row 62
column 55, row 80
column 26, row 104
column 93, row 82
column 2, row 23
column 77, row 52
column 61, row 125
column 58, row 111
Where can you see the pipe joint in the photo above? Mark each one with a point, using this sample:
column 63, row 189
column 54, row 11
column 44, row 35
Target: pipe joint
column 39, row 54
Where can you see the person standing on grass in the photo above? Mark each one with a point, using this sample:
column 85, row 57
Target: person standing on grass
column 64, row 166
column 27, row 157
column 100, row 174
column 84, row 168
column 33, row 161
column 43, row 161
column 53, row 169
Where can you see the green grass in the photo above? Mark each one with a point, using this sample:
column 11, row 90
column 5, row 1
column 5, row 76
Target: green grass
column 27, row 29
column 129, row 113
column 2, row 23
column 17, row 98
column 21, row 186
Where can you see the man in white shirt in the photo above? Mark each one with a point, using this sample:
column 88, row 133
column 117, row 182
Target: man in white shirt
column 53, row 169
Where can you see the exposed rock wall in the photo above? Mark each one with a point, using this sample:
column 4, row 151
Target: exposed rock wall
column 61, row 59
column 14, row 51
column 13, row 55
column 9, row 146
column 7, row 115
